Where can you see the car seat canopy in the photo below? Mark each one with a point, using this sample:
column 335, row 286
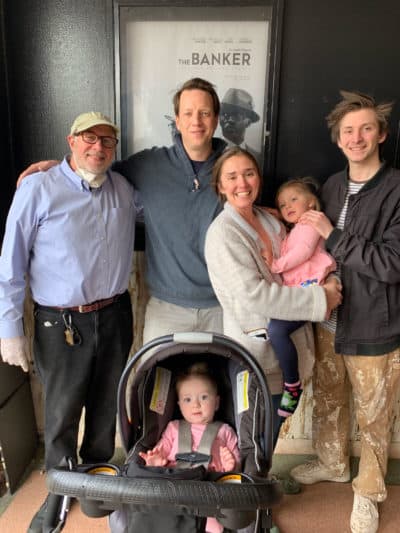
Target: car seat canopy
column 150, row 400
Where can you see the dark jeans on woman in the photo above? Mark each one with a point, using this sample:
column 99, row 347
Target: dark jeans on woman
column 85, row 375
column 279, row 334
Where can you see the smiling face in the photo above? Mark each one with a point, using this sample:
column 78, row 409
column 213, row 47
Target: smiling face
column 196, row 122
column 293, row 202
column 239, row 182
column 94, row 158
column 198, row 399
column 359, row 137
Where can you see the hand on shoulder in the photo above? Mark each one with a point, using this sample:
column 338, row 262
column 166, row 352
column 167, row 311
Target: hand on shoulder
column 40, row 166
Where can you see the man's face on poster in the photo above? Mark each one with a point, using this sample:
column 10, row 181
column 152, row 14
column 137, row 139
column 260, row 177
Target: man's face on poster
column 233, row 122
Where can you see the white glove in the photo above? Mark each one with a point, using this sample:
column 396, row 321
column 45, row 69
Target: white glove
column 14, row 351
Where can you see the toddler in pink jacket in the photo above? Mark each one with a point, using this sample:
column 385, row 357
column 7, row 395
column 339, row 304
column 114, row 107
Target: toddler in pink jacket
column 303, row 261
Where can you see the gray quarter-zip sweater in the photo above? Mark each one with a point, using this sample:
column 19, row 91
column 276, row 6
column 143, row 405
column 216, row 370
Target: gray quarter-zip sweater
column 179, row 206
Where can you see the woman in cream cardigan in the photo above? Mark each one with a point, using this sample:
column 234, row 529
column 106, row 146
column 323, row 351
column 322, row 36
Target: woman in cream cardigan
column 237, row 243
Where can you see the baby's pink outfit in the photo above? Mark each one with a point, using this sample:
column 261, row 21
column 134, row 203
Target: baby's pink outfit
column 225, row 437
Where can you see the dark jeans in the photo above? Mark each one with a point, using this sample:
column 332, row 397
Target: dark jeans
column 85, row 375
column 279, row 334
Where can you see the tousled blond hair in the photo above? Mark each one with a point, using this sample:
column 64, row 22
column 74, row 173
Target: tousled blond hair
column 354, row 101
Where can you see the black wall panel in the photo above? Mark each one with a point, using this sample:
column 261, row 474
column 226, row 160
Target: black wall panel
column 328, row 46
column 6, row 160
column 60, row 62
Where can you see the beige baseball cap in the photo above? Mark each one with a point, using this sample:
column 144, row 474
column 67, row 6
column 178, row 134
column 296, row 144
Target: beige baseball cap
column 93, row 118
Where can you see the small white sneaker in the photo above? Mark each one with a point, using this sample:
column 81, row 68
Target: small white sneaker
column 313, row 472
column 364, row 516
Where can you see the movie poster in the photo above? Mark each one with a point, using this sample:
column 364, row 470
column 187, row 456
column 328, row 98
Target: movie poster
column 161, row 55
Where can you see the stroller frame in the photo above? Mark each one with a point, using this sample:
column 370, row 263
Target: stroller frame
column 101, row 494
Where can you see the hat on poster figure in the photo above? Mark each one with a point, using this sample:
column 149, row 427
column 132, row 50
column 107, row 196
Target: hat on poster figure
column 236, row 115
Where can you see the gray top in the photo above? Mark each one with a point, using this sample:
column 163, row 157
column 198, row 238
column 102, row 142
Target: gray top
column 179, row 205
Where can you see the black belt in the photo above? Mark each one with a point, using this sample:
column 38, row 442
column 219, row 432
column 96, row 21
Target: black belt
column 87, row 308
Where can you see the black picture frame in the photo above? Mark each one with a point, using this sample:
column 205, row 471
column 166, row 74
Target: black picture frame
column 146, row 53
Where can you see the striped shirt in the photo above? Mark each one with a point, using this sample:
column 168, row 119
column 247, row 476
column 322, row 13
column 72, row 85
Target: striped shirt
column 353, row 187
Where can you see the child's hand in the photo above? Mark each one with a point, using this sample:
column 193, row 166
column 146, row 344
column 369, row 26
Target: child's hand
column 154, row 457
column 227, row 459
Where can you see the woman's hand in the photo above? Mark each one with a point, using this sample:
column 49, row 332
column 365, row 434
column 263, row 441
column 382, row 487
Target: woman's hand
column 41, row 166
column 333, row 292
column 319, row 221
column 272, row 211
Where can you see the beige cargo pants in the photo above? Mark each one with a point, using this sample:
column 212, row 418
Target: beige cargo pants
column 373, row 382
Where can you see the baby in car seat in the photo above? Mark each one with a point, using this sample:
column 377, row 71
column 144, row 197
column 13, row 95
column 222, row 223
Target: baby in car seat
column 198, row 401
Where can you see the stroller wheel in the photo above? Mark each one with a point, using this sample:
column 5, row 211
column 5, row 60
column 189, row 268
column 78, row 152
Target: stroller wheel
column 95, row 508
column 54, row 519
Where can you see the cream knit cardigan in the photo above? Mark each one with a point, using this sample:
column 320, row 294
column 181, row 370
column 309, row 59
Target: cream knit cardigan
column 250, row 294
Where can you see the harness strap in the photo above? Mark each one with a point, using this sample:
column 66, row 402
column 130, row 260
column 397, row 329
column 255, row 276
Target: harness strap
column 208, row 437
column 186, row 458
column 184, row 437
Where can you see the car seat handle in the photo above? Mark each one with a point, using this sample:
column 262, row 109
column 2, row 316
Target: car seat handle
column 193, row 337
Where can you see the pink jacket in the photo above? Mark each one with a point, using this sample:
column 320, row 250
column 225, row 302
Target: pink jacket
column 225, row 437
column 303, row 257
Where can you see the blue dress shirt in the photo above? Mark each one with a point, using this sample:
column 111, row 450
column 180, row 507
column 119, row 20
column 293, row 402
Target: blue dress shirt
column 75, row 243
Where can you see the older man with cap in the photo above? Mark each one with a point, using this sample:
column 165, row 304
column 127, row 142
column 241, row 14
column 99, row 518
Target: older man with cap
column 71, row 230
column 237, row 114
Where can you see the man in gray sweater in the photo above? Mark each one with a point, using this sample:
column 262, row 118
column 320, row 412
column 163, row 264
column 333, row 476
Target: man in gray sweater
column 179, row 206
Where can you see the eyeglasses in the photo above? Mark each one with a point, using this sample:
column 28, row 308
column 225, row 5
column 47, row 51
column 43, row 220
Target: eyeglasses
column 92, row 138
